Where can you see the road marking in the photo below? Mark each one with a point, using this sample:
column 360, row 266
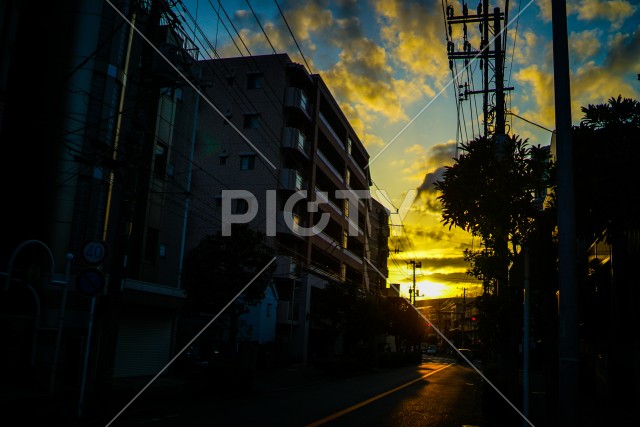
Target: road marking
column 370, row 400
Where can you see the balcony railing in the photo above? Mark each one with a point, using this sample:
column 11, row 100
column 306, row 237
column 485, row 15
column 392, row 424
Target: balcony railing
column 291, row 179
column 330, row 166
column 297, row 98
column 333, row 133
column 294, row 138
column 353, row 256
column 321, row 196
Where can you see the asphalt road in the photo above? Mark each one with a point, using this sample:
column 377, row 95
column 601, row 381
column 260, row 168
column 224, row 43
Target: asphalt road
column 432, row 394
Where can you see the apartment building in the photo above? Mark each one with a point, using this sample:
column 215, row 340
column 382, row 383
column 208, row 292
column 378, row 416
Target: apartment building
column 273, row 141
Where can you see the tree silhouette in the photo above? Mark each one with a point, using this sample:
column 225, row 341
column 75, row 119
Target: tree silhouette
column 491, row 191
column 216, row 270
column 606, row 159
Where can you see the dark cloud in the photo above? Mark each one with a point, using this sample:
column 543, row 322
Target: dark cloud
column 427, row 186
column 623, row 56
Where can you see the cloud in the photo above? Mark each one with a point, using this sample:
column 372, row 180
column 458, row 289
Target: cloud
column 363, row 77
column 540, row 83
column 624, row 52
column 432, row 161
column 584, row 44
column 415, row 34
column 614, row 11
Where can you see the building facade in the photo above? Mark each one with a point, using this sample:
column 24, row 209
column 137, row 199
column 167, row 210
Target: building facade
column 109, row 151
column 275, row 150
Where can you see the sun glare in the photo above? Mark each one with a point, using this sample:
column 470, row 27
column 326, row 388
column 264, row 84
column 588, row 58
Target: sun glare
column 430, row 290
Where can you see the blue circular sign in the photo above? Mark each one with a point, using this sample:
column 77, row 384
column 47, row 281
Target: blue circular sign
column 90, row 281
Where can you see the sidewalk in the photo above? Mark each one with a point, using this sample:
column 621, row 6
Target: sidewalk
column 41, row 409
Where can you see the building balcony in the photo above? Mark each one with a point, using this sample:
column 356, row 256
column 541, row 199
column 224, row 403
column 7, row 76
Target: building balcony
column 359, row 171
column 326, row 272
column 286, row 267
column 332, row 133
column 352, row 256
column 294, row 229
column 294, row 139
column 330, row 166
column 297, row 99
column 291, row 179
column 321, row 197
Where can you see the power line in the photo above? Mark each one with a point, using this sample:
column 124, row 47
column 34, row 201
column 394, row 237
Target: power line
column 293, row 37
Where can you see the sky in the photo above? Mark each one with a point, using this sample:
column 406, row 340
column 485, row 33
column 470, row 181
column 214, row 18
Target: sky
column 385, row 62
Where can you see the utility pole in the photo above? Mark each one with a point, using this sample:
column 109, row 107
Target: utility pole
column 412, row 291
column 526, row 339
column 463, row 320
column 488, row 23
column 568, row 341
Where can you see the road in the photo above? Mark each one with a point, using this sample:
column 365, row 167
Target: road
column 435, row 394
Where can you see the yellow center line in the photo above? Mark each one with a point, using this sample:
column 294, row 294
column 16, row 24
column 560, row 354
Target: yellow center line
column 370, row 400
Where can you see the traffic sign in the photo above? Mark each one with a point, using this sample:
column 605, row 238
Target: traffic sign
column 90, row 281
column 95, row 252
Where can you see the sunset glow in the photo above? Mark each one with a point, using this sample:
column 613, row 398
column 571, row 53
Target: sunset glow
column 386, row 60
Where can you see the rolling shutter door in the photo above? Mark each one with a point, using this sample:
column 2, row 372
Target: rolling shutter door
column 144, row 342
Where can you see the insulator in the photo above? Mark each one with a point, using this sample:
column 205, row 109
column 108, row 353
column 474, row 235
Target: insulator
column 450, row 11
column 450, row 47
column 449, row 30
column 480, row 8
column 467, row 46
column 480, row 27
column 464, row 29
column 465, row 9
column 451, row 64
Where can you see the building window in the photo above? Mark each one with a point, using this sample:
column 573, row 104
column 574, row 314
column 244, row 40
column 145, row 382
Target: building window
column 349, row 143
column 162, row 253
column 299, row 182
column 345, row 238
column 254, row 81
column 345, row 207
column 303, row 100
column 251, row 121
column 247, row 162
column 302, row 142
column 347, row 176
column 160, row 161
